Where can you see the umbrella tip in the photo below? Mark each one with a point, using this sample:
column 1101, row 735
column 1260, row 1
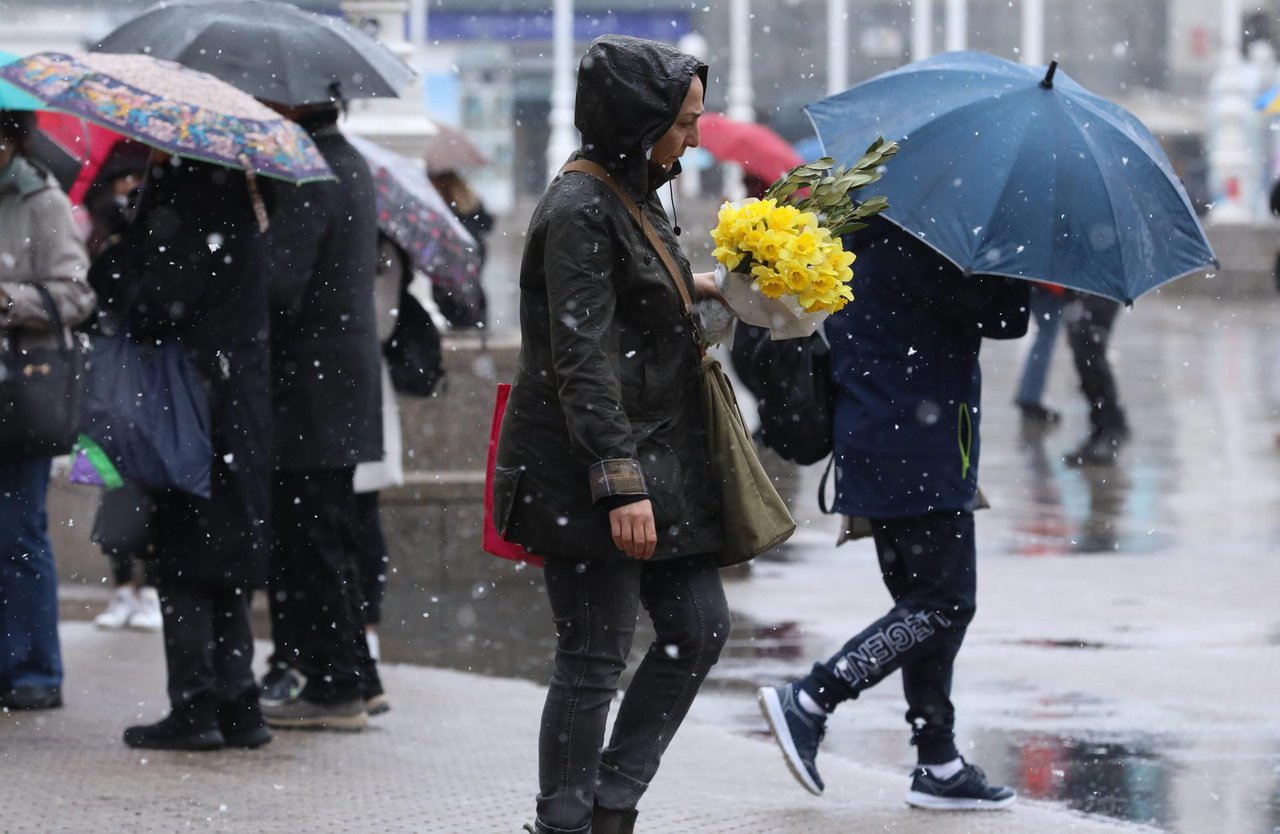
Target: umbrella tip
column 1047, row 83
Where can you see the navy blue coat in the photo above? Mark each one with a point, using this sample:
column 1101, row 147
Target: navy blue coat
column 904, row 358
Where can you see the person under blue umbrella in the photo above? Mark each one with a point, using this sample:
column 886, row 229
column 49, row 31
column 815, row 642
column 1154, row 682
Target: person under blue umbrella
column 904, row 361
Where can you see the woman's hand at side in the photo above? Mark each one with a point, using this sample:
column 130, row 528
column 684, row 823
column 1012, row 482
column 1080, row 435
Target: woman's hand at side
column 634, row 531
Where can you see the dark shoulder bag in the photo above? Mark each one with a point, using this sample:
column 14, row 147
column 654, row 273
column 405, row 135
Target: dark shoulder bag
column 791, row 379
column 41, row 390
column 414, row 356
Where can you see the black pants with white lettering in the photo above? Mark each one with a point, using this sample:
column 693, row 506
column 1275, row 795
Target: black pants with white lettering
column 928, row 565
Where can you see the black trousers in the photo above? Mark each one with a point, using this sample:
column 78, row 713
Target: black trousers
column 595, row 603
column 371, row 556
column 208, row 645
column 314, row 585
column 928, row 564
column 1090, row 319
column 123, row 572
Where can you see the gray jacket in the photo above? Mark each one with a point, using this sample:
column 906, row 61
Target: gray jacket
column 38, row 244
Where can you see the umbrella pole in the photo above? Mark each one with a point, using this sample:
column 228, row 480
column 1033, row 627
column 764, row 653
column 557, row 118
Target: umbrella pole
column 255, row 196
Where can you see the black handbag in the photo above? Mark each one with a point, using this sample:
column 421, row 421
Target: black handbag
column 41, row 391
column 791, row 381
column 414, row 355
column 122, row 525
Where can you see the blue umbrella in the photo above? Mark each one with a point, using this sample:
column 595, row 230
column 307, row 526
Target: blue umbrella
column 1011, row 170
column 809, row 148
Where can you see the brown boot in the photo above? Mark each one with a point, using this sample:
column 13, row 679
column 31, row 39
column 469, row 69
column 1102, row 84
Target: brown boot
column 608, row 821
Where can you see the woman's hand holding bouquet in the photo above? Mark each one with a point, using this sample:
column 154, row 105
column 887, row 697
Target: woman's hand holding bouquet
column 783, row 265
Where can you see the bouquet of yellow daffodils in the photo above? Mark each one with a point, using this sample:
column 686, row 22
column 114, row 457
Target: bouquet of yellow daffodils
column 784, row 266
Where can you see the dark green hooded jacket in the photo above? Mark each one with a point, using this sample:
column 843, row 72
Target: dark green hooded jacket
column 606, row 403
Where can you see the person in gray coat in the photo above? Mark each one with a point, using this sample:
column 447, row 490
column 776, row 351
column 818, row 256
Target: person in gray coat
column 602, row 462
column 38, row 247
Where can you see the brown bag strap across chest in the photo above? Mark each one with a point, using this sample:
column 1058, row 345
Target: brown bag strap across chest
column 586, row 166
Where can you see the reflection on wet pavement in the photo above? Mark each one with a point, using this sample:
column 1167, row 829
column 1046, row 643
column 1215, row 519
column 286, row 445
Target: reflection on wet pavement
column 1084, row 510
column 1122, row 779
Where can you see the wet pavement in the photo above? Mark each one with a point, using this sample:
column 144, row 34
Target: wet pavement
column 1125, row 660
column 456, row 753
column 1126, row 656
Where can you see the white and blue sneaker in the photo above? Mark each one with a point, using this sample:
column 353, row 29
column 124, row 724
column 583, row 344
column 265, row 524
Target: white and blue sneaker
column 797, row 731
column 966, row 791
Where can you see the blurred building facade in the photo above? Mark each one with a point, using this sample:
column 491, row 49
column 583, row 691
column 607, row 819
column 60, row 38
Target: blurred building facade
column 486, row 64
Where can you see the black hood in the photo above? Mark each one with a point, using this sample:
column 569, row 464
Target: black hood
column 629, row 94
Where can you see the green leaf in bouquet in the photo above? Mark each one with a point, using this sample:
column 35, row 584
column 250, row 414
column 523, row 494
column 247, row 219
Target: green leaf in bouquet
column 847, row 228
column 870, row 206
column 877, row 154
column 826, row 163
column 785, row 190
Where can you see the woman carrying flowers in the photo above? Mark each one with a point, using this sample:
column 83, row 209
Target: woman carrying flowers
column 602, row 465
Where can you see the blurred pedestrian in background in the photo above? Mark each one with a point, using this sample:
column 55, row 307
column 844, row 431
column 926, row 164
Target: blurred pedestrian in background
column 908, row 388
column 42, row 262
column 1046, row 312
column 328, row 415
column 393, row 275
column 122, row 529
column 468, row 208
column 121, row 526
column 110, row 198
column 466, row 205
column 1090, row 320
column 192, row 270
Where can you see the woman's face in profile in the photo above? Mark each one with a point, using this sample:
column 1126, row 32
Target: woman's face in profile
column 684, row 133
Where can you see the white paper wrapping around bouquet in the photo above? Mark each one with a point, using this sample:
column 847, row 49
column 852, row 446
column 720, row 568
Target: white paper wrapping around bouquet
column 784, row 318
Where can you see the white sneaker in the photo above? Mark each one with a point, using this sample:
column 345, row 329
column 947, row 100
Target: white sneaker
column 123, row 603
column 146, row 615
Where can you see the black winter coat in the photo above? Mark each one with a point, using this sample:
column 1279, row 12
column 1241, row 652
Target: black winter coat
column 904, row 357
column 196, row 250
column 605, row 403
column 324, row 340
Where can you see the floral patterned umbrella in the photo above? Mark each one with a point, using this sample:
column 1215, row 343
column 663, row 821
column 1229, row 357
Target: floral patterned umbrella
column 414, row 215
column 170, row 107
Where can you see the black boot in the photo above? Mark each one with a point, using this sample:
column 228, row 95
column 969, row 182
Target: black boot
column 240, row 721
column 191, row 726
column 609, row 821
column 1100, row 448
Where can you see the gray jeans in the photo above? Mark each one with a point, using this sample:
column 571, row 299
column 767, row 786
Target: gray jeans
column 595, row 603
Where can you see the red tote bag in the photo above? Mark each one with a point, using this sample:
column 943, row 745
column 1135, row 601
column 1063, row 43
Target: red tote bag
column 493, row 541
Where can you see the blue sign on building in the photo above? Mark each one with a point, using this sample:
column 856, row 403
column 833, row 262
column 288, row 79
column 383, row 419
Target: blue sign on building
column 533, row 26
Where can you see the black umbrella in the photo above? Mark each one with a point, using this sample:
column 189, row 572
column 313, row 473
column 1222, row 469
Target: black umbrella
column 273, row 51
